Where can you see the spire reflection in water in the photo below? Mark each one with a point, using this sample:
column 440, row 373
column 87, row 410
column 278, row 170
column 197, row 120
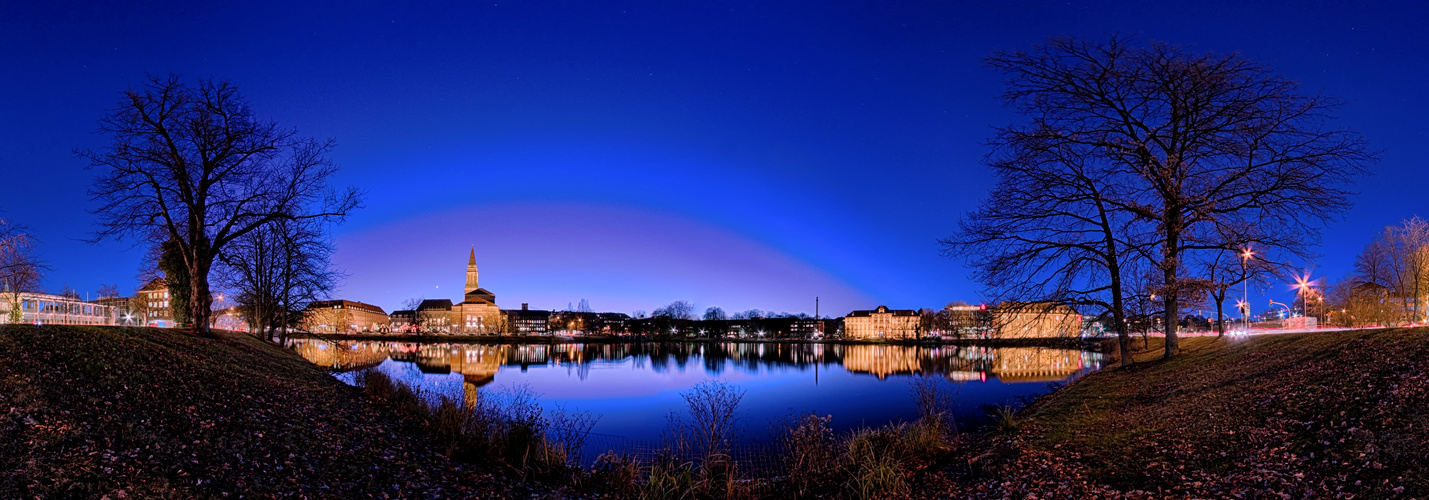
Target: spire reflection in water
column 631, row 387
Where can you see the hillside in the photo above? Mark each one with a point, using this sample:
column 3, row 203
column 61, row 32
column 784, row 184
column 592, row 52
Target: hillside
column 88, row 412
column 1317, row 415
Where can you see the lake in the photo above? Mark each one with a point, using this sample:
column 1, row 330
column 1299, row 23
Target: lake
column 632, row 387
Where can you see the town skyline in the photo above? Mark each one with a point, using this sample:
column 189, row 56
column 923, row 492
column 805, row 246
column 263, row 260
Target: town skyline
column 653, row 177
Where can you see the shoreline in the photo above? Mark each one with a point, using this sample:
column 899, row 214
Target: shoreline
column 1313, row 414
column 1052, row 342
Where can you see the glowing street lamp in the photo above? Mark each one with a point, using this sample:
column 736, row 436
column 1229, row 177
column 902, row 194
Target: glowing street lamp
column 1304, row 287
column 1245, row 257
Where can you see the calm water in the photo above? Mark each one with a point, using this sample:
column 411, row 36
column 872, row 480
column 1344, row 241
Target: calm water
column 632, row 387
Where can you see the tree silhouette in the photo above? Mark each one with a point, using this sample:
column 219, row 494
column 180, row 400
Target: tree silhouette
column 191, row 164
column 20, row 271
column 1187, row 148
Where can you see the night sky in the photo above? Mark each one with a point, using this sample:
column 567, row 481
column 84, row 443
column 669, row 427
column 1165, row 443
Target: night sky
column 742, row 155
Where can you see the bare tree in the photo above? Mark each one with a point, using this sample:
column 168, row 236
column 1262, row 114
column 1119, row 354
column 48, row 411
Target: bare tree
column 1372, row 265
column 714, row 314
column 1239, row 262
column 1398, row 261
column 107, row 291
column 278, row 269
column 676, row 310
column 1196, row 145
column 1050, row 232
column 193, row 165
column 20, row 271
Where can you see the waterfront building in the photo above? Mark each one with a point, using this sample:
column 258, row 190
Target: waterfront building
column 404, row 321
column 475, row 314
column 805, row 328
column 610, row 323
column 966, row 321
column 882, row 323
column 1016, row 321
column 335, row 316
column 46, row 309
column 527, row 321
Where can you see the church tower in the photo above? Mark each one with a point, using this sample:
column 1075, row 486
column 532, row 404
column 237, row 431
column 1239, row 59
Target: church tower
column 471, row 274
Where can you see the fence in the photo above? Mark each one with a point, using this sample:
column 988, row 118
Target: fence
column 755, row 459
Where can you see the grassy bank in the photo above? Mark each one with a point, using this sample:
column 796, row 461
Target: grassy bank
column 87, row 412
column 92, row 412
column 809, row 460
column 1317, row 415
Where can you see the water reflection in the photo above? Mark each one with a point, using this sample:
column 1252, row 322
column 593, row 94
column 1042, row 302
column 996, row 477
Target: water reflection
column 479, row 363
column 631, row 387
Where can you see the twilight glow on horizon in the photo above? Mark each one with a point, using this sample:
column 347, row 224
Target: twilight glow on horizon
column 740, row 155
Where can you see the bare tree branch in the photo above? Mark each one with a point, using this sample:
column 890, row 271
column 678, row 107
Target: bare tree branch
column 193, row 165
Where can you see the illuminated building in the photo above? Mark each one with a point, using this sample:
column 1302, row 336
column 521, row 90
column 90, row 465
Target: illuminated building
column 476, row 314
column 45, row 309
column 333, row 316
column 1015, row 321
column 882, row 323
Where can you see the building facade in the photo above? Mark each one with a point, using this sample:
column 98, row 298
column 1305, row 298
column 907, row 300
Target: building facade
column 527, row 321
column 45, row 309
column 1035, row 320
column 476, row 314
column 882, row 324
column 154, row 298
column 344, row 316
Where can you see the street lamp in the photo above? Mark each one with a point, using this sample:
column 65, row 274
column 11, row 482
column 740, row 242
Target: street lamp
column 1245, row 257
column 1244, row 308
column 1305, row 286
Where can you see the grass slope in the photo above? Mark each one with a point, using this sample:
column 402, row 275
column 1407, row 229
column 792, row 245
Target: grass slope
column 120, row 412
column 1322, row 415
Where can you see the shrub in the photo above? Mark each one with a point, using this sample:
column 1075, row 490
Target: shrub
column 617, row 474
column 699, row 442
column 505, row 426
column 811, row 453
column 568, row 430
column 712, row 405
column 935, row 404
column 876, row 462
column 669, row 479
column 1005, row 419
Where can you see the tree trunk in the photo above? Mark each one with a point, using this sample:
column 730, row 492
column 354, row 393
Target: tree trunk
column 1118, row 314
column 1169, row 266
column 1220, row 315
column 200, row 298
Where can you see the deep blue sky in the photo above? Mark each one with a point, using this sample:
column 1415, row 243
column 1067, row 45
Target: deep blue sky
column 751, row 155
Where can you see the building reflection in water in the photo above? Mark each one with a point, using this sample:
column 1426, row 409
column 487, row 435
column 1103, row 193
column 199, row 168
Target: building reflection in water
column 479, row 363
column 634, row 386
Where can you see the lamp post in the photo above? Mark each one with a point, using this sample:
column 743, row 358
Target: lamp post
column 1305, row 285
column 1245, row 257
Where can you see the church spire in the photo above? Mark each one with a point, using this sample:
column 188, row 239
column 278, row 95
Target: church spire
column 471, row 274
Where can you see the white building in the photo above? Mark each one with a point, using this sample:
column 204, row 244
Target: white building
column 45, row 309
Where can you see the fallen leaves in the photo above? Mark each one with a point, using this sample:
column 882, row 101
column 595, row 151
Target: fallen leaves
column 182, row 416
